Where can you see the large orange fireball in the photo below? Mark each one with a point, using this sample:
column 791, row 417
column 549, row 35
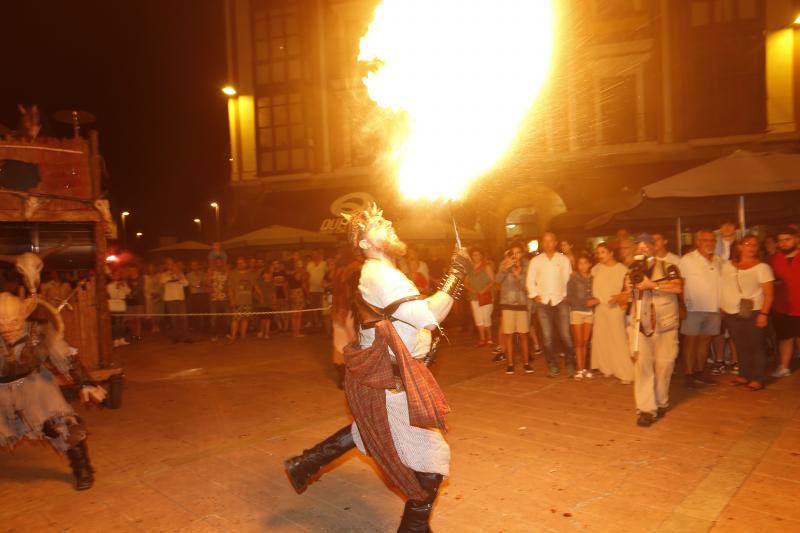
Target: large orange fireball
column 461, row 75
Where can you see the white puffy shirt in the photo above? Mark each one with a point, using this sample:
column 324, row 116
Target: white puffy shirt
column 381, row 285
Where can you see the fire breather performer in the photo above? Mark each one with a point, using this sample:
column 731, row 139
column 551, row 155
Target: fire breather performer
column 31, row 403
column 398, row 407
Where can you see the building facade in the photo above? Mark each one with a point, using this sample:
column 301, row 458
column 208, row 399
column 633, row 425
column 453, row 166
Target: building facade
column 639, row 90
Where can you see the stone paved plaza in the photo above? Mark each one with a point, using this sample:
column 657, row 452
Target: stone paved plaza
column 199, row 440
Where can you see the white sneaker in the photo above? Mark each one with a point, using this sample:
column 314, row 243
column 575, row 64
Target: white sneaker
column 781, row 372
column 578, row 375
column 588, row 374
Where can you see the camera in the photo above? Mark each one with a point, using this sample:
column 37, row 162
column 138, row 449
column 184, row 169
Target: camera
column 638, row 269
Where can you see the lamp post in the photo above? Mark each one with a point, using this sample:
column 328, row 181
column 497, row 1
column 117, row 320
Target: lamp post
column 199, row 229
column 215, row 205
column 124, row 239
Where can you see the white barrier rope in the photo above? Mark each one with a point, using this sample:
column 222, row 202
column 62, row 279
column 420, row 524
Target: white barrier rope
column 248, row 313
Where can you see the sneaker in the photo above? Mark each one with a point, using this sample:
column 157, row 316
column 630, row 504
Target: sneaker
column 497, row 349
column 661, row 412
column 734, row 369
column 570, row 371
column 528, row 368
column 123, row 342
column 781, row 372
column 644, row 420
column 499, row 357
column 510, row 369
column 588, row 374
column 537, row 350
column 717, row 369
column 578, row 375
column 552, row 371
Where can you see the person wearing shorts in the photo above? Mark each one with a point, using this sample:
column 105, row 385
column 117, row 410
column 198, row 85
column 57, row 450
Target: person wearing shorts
column 701, row 274
column 479, row 286
column 514, row 306
column 241, row 287
column 581, row 314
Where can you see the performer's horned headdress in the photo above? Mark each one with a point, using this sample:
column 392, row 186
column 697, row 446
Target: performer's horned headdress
column 358, row 223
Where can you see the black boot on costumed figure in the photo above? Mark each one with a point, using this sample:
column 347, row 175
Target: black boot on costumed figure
column 417, row 514
column 81, row 467
column 302, row 468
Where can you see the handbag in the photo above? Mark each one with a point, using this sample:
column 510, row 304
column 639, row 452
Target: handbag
column 484, row 298
column 745, row 304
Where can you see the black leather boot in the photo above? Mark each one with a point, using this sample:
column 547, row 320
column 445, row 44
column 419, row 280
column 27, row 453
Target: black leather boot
column 304, row 467
column 417, row 513
column 81, row 467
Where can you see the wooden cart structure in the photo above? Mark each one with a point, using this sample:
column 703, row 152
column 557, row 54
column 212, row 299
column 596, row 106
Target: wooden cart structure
column 50, row 194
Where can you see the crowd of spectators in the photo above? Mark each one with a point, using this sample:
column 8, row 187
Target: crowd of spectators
column 221, row 298
column 732, row 303
column 727, row 305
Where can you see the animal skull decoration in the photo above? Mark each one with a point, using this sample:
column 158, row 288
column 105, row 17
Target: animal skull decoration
column 29, row 265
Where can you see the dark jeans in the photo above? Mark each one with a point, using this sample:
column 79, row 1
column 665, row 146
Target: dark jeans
column 198, row 303
column 315, row 301
column 117, row 326
column 180, row 326
column 556, row 317
column 219, row 324
column 750, row 342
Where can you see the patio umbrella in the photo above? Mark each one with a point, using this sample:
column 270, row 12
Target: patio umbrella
column 771, row 183
column 277, row 235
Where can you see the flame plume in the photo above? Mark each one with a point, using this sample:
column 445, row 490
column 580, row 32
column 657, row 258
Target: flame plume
column 460, row 75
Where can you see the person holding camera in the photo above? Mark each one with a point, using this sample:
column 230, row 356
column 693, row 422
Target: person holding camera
column 514, row 306
column 654, row 286
column 547, row 278
column 746, row 294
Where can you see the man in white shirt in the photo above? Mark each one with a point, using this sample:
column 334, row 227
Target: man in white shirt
column 548, row 274
column 173, row 282
column 701, row 274
column 660, row 250
column 316, row 270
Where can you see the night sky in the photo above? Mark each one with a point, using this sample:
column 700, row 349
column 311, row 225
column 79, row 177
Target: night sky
column 151, row 71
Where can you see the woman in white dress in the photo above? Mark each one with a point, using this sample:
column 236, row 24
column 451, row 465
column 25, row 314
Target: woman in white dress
column 610, row 343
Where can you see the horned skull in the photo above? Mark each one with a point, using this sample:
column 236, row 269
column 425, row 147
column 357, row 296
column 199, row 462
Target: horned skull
column 30, row 265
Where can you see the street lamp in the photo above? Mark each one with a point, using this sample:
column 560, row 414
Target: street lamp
column 125, row 214
column 215, row 205
column 199, row 228
column 229, row 91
